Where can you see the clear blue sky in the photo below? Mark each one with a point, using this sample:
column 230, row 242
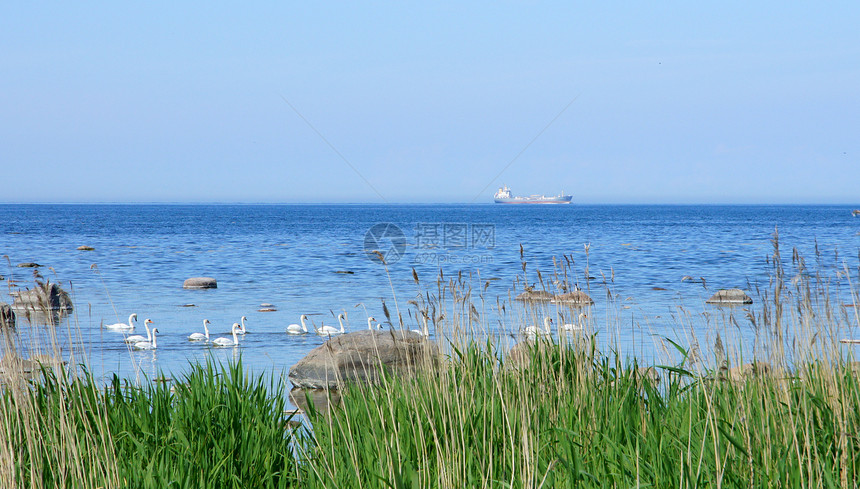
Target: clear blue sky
column 673, row 102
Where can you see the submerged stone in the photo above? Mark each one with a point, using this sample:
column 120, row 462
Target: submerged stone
column 7, row 316
column 535, row 295
column 44, row 297
column 200, row 283
column 577, row 297
column 730, row 296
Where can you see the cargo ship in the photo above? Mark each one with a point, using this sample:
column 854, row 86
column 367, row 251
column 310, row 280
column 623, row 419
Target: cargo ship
column 504, row 196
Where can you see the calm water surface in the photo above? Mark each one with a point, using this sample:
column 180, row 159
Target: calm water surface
column 290, row 256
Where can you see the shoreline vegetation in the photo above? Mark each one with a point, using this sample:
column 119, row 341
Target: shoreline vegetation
column 555, row 411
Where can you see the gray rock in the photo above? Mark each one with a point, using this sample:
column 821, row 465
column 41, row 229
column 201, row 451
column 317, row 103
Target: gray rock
column 745, row 372
column 535, row 296
column 29, row 265
column 321, row 399
column 730, row 296
column 7, row 316
column 200, row 283
column 361, row 356
column 521, row 354
column 85, row 248
column 43, row 297
column 577, row 297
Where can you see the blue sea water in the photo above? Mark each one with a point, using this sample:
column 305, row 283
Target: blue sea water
column 291, row 256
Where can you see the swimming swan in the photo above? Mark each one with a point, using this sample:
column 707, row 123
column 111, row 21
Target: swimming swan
column 227, row 342
column 123, row 326
column 201, row 336
column 136, row 338
column 331, row 330
column 242, row 330
column 296, row 329
column 533, row 331
column 147, row 345
column 370, row 323
column 570, row 328
column 424, row 331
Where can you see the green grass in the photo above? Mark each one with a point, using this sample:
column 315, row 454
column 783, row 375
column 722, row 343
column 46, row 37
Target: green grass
column 565, row 415
column 566, row 419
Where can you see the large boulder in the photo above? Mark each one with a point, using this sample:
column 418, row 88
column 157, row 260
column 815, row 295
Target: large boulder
column 730, row 296
column 7, row 316
column 321, row 399
column 745, row 372
column 361, row 357
column 200, row 283
column 43, row 297
column 575, row 298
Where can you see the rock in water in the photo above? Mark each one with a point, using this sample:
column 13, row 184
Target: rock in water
column 577, row 297
column 361, row 356
column 200, row 283
column 730, row 296
column 43, row 297
column 7, row 316
column 535, row 296
column 29, row 264
column 85, row 248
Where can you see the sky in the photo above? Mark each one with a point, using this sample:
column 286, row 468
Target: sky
column 401, row 102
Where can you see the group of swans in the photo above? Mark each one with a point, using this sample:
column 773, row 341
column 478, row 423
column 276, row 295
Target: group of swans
column 533, row 331
column 236, row 330
column 324, row 330
column 149, row 342
column 137, row 341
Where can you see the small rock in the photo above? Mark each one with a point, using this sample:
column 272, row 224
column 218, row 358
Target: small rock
column 266, row 304
column 730, row 296
column 29, row 265
column 43, row 297
column 187, row 305
column 200, row 283
column 535, row 296
column 7, row 316
column 85, row 248
column 347, row 272
column 267, row 309
column 657, row 288
column 576, row 297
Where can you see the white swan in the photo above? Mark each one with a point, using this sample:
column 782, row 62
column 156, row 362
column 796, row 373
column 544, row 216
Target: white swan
column 201, row 336
column 424, row 331
column 296, row 329
column 570, row 328
column 136, row 338
column 147, row 345
column 123, row 326
column 241, row 329
column 370, row 323
column 534, row 331
column 227, row 342
column 331, row 330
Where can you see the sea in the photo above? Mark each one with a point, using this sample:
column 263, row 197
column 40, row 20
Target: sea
column 648, row 268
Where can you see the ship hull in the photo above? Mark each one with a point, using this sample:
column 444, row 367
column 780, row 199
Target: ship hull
column 565, row 199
